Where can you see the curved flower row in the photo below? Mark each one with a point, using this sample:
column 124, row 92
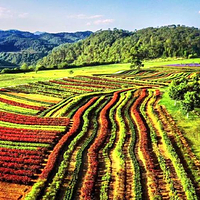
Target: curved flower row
column 36, row 189
column 89, row 180
column 143, row 141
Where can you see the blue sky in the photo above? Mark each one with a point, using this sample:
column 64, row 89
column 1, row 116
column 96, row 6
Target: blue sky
column 80, row 15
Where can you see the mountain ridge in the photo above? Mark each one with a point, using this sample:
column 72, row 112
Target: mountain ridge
column 18, row 46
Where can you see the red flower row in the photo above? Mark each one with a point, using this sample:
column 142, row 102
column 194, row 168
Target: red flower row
column 27, row 136
column 15, row 165
column 22, row 138
column 111, row 80
column 20, row 155
column 39, row 133
column 88, row 84
column 32, row 120
column 143, row 138
column 14, row 103
column 157, row 93
column 15, row 178
column 75, row 126
column 39, row 151
column 88, row 90
column 29, row 173
column 21, row 160
column 88, row 184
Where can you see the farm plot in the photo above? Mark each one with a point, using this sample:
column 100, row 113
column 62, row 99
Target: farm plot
column 98, row 137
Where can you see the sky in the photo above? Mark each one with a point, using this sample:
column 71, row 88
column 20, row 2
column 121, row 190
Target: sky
column 81, row 15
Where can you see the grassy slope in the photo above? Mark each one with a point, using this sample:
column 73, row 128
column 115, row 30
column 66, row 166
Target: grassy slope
column 16, row 79
column 189, row 125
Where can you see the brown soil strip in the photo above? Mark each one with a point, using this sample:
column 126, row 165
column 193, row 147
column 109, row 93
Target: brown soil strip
column 129, row 173
column 12, row 191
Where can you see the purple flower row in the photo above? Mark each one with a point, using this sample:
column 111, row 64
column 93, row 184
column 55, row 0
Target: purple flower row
column 186, row 65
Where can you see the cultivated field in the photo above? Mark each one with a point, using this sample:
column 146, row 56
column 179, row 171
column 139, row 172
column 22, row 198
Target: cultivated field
column 102, row 136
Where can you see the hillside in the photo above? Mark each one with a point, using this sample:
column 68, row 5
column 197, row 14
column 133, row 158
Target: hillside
column 18, row 47
column 119, row 46
column 103, row 136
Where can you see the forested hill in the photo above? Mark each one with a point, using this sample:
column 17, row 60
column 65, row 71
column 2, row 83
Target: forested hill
column 18, row 47
column 112, row 46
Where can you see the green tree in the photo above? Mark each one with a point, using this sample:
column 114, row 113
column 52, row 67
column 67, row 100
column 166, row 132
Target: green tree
column 24, row 67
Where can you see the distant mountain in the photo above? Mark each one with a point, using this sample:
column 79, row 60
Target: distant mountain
column 119, row 46
column 18, row 47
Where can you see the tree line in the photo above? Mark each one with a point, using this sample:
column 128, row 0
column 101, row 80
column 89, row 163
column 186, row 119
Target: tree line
column 187, row 92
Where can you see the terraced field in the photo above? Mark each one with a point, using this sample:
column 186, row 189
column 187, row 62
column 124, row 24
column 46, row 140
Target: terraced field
column 95, row 137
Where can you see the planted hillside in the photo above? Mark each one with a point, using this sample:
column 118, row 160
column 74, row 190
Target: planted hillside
column 17, row 47
column 98, row 137
column 119, row 46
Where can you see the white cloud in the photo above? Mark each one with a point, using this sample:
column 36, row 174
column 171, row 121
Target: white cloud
column 199, row 12
column 95, row 16
column 88, row 24
column 104, row 21
column 5, row 13
column 22, row 15
column 82, row 16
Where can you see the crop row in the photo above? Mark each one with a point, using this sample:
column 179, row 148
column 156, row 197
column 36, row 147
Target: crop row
column 188, row 158
column 15, row 97
column 89, row 180
column 39, row 133
column 118, row 154
column 163, row 169
column 58, row 178
column 92, row 87
column 18, row 110
column 143, row 143
column 40, row 89
column 32, row 120
column 106, row 150
column 36, row 189
column 69, row 191
column 95, row 82
column 14, row 103
column 186, row 182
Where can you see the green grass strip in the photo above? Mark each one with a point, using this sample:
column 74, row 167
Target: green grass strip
column 17, row 109
column 18, row 147
column 29, row 144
